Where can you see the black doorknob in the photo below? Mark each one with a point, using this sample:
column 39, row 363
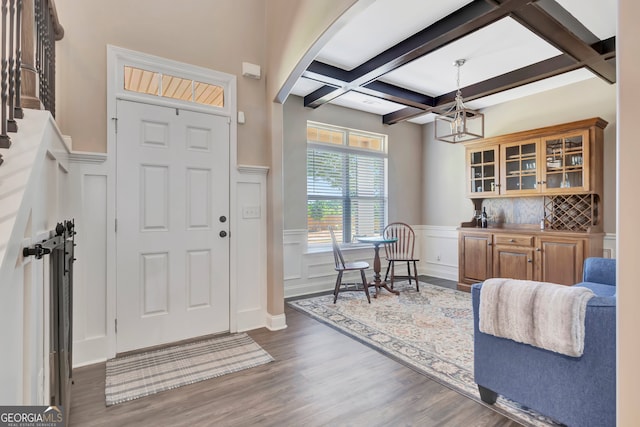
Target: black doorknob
column 223, row 233
column 223, row 218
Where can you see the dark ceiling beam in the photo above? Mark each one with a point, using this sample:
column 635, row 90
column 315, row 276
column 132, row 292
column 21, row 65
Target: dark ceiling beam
column 460, row 23
column 396, row 94
column 550, row 29
column 544, row 69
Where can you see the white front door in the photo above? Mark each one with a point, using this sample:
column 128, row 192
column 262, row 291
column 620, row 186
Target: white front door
column 172, row 209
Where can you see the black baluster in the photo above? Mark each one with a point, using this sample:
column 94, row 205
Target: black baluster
column 12, row 126
column 18, row 113
column 38, row 14
column 5, row 141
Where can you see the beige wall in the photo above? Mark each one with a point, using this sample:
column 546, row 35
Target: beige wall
column 295, row 32
column 405, row 152
column 219, row 35
column 628, row 60
column 445, row 163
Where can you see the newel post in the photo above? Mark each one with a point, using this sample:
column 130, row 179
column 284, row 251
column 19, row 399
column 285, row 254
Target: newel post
column 28, row 87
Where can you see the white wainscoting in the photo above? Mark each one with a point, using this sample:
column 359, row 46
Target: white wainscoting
column 88, row 187
column 251, row 240
column 438, row 251
column 310, row 272
column 34, row 179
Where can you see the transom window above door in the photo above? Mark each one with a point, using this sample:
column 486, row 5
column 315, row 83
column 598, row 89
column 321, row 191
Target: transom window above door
column 346, row 183
column 168, row 86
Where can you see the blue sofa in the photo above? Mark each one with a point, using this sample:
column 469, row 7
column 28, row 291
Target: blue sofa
column 575, row 391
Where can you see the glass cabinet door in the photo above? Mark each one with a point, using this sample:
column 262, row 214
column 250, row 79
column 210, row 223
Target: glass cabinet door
column 520, row 172
column 482, row 170
column 566, row 159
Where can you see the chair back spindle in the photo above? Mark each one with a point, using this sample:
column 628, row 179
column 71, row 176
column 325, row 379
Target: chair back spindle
column 337, row 253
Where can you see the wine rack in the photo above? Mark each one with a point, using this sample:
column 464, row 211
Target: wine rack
column 573, row 212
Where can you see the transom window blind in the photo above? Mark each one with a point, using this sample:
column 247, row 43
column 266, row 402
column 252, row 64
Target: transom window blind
column 346, row 183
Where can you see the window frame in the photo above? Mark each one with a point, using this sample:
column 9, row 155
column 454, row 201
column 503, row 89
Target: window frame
column 346, row 197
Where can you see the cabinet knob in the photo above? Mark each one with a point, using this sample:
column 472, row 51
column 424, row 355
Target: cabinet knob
column 529, row 260
column 511, row 240
column 489, row 244
column 537, row 249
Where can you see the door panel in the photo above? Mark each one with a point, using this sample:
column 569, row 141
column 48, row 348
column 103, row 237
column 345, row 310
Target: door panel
column 513, row 263
column 561, row 260
column 172, row 186
column 476, row 257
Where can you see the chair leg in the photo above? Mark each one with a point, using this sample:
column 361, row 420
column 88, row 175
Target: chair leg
column 393, row 272
column 409, row 271
column 415, row 271
column 386, row 275
column 337, row 288
column 366, row 285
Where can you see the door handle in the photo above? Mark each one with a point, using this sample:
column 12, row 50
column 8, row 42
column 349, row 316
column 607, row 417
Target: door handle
column 223, row 218
column 223, row 233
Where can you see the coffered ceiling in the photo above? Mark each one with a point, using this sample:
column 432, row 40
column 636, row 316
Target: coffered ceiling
column 396, row 58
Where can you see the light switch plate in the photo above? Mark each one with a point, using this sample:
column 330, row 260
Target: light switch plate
column 251, row 212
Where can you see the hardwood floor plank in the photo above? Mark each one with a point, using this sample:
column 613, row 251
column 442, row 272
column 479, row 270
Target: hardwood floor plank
column 319, row 377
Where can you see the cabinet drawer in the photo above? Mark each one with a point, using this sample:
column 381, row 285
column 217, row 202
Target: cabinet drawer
column 513, row 239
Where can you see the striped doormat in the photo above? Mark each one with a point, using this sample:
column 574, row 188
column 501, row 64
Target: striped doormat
column 139, row 375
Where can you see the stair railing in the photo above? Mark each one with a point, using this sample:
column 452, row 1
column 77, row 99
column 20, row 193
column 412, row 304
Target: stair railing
column 30, row 29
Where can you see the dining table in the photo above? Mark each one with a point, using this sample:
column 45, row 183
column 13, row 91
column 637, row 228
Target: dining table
column 376, row 241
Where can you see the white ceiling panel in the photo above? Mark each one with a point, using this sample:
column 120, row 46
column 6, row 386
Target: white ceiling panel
column 382, row 25
column 496, row 49
column 366, row 103
column 305, row 86
column 597, row 15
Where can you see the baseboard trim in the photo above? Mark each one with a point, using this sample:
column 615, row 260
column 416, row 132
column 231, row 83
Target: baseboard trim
column 277, row 322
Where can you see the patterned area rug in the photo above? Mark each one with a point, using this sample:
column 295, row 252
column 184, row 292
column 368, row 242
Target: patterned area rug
column 138, row 375
column 430, row 331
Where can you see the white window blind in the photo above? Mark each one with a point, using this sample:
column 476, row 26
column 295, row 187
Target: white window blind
column 346, row 183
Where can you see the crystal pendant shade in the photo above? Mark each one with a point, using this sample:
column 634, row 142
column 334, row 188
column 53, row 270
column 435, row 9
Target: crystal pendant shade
column 459, row 124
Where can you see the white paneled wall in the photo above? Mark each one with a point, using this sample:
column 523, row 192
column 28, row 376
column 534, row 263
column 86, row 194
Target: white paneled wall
column 436, row 246
column 88, row 184
column 310, row 272
column 33, row 199
column 251, row 237
column 439, row 251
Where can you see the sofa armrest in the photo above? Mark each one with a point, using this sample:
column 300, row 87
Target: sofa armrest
column 600, row 270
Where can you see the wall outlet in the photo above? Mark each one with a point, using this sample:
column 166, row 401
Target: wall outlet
column 438, row 257
column 250, row 212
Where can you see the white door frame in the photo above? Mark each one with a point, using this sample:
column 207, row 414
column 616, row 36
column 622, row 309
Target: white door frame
column 117, row 58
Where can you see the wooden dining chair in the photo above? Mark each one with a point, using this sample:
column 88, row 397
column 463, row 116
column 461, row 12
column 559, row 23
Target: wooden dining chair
column 401, row 251
column 342, row 266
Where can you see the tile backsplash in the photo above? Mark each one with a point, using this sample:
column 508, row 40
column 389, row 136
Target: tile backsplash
column 523, row 210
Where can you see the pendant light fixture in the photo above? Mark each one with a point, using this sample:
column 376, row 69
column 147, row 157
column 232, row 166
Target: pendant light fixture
column 459, row 123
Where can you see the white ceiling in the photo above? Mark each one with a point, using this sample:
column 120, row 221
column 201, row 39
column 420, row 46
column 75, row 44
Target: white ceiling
column 496, row 49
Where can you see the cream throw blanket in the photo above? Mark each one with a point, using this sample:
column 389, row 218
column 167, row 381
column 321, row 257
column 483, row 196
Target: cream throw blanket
column 545, row 315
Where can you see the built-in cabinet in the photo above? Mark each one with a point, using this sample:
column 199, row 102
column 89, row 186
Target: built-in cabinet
column 561, row 164
column 563, row 159
column 547, row 256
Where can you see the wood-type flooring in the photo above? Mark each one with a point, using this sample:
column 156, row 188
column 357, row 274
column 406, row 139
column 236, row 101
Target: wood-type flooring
column 320, row 377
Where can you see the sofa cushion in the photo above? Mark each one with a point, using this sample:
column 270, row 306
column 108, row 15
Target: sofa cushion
column 599, row 289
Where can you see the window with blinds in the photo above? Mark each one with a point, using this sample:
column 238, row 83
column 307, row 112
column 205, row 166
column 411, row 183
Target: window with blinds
column 346, row 183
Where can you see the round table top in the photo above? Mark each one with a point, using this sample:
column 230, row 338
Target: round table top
column 376, row 240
